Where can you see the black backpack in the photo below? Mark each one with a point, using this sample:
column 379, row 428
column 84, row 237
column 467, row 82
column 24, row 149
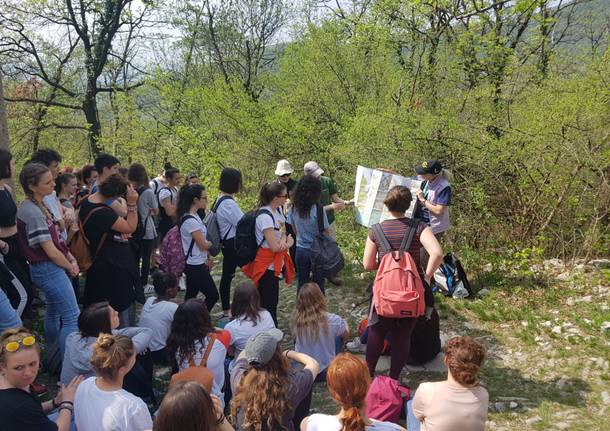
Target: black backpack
column 246, row 245
column 326, row 257
column 425, row 340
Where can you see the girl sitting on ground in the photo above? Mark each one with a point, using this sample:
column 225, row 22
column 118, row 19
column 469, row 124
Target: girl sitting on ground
column 459, row 402
column 101, row 403
column 190, row 334
column 21, row 410
column 250, row 318
column 188, row 407
column 269, row 394
column 318, row 333
column 158, row 314
column 100, row 318
column 348, row 383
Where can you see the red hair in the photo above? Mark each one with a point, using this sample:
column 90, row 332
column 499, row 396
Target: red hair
column 348, row 381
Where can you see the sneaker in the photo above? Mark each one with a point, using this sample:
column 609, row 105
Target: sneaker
column 149, row 290
column 182, row 283
column 356, row 346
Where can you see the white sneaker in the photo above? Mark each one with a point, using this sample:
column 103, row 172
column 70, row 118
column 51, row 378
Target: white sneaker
column 182, row 283
column 149, row 289
column 356, row 346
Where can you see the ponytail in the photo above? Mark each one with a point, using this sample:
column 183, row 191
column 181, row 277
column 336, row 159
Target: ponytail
column 186, row 196
column 352, row 420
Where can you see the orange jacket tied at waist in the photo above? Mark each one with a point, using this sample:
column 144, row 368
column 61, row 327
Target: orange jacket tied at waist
column 264, row 258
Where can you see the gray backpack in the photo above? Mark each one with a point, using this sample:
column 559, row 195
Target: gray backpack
column 326, row 257
column 213, row 230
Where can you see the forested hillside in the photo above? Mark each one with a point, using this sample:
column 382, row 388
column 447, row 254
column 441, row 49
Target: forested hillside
column 512, row 96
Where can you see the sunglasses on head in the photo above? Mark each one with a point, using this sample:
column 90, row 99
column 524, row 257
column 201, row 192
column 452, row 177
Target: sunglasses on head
column 13, row 346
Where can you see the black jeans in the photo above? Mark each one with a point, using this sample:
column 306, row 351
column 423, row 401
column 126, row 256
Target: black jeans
column 304, row 269
column 145, row 249
column 229, row 264
column 269, row 290
column 198, row 278
column 400, row 331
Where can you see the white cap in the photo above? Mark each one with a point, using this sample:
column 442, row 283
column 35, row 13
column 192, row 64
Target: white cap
column 312, row 168
column 283, row 167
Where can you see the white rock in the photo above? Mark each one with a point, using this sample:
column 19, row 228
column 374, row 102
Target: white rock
column 579, row 268
column 483, row 292
column 556, row 330
column 605, row 326
column 564, row 276
column 561, row 382
column 513, row 405
column 533, row 420
column 570, row 301
column 587, row 298
column 552, row 263
column 500, row 407
column 600, row 263
column 562, row 425
column 606, row 397
column 488, row 267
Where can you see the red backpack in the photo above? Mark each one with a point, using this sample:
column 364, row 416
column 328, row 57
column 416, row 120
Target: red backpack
column 171, row 254
column 385, row 399
column 398, row 290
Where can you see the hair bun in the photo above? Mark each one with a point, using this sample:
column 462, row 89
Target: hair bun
column 105, row 341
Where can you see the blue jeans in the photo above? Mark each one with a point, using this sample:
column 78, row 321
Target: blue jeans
column 304, row 270
column 413, row 423
column 8, row 316
column 61, row 316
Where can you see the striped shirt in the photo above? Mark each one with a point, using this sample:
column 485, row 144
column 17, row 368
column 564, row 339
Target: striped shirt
column 394, row 231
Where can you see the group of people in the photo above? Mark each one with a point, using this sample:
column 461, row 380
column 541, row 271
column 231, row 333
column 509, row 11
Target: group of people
column 238, row 366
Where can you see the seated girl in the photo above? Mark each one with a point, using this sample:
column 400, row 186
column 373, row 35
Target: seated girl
column 21, row 410
column 101, row 403
column 348, row 382
column 249, row 317
column 158, row 314
column 318, row 333
column 190, row 334
column 269, row 394
column 459, row 402
column 100, row 318
column 188, row 407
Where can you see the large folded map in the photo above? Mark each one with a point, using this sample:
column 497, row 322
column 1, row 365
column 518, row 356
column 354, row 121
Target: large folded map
column 372, row 186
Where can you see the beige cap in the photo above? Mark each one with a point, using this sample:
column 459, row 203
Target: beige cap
column 283, row 167
column 312, row 168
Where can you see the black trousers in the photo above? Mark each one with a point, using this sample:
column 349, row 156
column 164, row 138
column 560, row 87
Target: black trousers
column 269, row 290
column 199, row 279
column 145, row 249
column 229, row 264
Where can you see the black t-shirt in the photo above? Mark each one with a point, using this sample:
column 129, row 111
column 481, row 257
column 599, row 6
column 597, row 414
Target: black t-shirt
column 21, row 411
column 101, row 223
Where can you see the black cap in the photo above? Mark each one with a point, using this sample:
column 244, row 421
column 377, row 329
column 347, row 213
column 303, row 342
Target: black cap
column 430, row 167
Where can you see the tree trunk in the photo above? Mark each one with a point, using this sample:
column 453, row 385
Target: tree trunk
column 4, row 142
column 93, row 120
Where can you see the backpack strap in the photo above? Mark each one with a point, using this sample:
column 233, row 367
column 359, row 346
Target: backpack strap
column 320, row 217
column 408, row 238
column 381, row 238
column 81, row 228
column 215, row 208
column 158, row 193
column 208, row 350
column 184, row 218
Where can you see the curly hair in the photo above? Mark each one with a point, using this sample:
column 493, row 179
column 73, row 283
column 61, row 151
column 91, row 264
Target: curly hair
column 262, row 395
column 348, row 381
column 306, row 194
column 464, row 357
column 113, row 186
column 191, row 324
column 310, row 314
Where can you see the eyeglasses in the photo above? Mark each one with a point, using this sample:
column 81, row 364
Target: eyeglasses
column 13, row 346
column 285, row 175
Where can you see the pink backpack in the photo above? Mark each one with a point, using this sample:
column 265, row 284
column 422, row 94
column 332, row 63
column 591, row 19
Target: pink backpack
column 171, row 254
column 398, row 290
column 385, row 399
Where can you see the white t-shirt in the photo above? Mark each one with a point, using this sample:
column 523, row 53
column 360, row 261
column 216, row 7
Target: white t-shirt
column 323, row 349
column 320, row 422
column 98, row 410
column 168, row 192
column 190, row 225
column 264, row 221
column 215, row 363
column 241, row 330
column 158, row 317
column 228, row 215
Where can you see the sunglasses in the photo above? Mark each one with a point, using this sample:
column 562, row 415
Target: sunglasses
column 285, row 175
column 13, row 346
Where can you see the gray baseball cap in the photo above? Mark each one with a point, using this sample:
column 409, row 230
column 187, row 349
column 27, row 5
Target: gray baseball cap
column 261, row 347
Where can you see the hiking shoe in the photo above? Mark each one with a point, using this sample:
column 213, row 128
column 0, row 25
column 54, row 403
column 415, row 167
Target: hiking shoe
column 182, row 283
column 149, row 290
column 356, row 346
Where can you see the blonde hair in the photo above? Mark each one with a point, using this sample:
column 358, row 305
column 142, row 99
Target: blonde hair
column 262, row 395
column 15, row 334
column 310, row 314
column 111, row 352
